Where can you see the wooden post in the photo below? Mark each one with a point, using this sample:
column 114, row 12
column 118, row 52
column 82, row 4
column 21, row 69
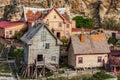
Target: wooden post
column 28, row 72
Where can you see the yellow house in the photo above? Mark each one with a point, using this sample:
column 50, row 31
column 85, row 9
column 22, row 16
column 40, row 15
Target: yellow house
column 86, row 51
column 59, row 22
column 8, row 29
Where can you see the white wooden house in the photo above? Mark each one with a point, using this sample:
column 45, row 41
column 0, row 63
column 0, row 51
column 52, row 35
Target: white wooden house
column 41, row 48
column 88, row 50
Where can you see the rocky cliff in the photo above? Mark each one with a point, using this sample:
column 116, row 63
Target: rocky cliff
column 109, row 8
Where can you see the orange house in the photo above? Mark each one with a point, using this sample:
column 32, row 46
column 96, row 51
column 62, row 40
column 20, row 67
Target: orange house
column 8, row 29
column 59, row 23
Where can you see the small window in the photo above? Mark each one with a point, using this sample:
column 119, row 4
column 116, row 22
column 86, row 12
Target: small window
column 47, row 46
column 7, row 32
column 54, row 16
column 80, row 59
column 67, row 33
column 99, row 59
column 60, row 24
column 10, row 32
column 39, row 57
column 43, row 36
column 67, row 25
column 53, row 58
column 16, row 31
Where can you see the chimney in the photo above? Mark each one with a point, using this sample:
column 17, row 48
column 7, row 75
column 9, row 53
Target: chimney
column 82, row 36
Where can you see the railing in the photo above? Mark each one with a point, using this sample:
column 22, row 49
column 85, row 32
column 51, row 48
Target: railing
column 115, row 61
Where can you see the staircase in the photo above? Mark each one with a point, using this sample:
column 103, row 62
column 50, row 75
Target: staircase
column 4, row 53
column 51, row 67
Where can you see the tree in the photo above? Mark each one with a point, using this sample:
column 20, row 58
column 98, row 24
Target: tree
column 112, row 41
column 83, row 22
column 111, row 24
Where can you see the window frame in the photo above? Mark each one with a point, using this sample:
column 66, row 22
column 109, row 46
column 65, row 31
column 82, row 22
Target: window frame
column 43, row 36
column 47, row 45
column 99, row 59
column 10, row 32
column 54, row 17
column 80, row 60
column 67, row 25
column 60, row 24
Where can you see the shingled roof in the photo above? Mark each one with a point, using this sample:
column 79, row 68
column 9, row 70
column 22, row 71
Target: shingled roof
column 31, row 32
column 92, row 44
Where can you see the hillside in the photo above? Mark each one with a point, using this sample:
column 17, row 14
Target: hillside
column 109, row 8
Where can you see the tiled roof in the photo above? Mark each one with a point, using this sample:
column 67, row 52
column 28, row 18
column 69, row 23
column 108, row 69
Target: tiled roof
column 6, row 24
column 92, row 44
column 79, row 29
column 31, row 13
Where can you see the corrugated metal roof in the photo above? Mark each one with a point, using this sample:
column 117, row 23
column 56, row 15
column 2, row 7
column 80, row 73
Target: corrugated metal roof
column 31, row 32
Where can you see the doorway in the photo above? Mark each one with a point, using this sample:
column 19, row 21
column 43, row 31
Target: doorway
column 58, row 35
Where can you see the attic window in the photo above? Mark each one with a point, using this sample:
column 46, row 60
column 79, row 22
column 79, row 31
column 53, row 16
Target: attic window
column 43, row 36
column 54, row 16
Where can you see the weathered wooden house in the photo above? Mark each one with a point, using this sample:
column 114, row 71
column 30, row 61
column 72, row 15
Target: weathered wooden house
column 41, row 49
column 88, row 50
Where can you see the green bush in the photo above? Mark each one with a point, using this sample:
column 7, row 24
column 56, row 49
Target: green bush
column 100, row 76
column 83, row 22
column 112, row 41
column 118, row 77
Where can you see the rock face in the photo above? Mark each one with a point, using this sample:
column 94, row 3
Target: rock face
column 12, row 13
column 108, row 8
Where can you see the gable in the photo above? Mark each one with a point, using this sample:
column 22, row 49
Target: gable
column 37, row 38
column 26, row 38
column 53, row 16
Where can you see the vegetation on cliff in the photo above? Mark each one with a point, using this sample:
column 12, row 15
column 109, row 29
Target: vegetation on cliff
column 83, row 22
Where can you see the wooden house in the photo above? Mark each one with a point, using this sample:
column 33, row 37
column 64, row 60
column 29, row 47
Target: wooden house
column 9, row 29
column 88, row 51
column 58, row 20
column 41, row 48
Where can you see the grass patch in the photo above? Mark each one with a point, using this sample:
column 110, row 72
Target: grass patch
column 100, row 76
column 1, row 47
column 118, row 77
column 4, row 67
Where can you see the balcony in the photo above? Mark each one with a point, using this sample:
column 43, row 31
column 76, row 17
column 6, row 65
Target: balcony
column 115, row 61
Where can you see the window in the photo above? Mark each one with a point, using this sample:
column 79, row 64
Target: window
column 60, row 24
column 67, row 33
column 53, row 58
column 10, row 32
column 7, row 32
column 99, row 59
column 39, row 57
column 80, row 59
column 47, row 46
column 43, row 36
column 67, row 25
column 16, row 31
column 54, row 16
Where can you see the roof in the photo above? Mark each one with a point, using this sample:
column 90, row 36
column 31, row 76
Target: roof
column 6, row 24
column 92, row 44
column 30, row 13
column 31, row 32
column 79, row 29
column 116, row 52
